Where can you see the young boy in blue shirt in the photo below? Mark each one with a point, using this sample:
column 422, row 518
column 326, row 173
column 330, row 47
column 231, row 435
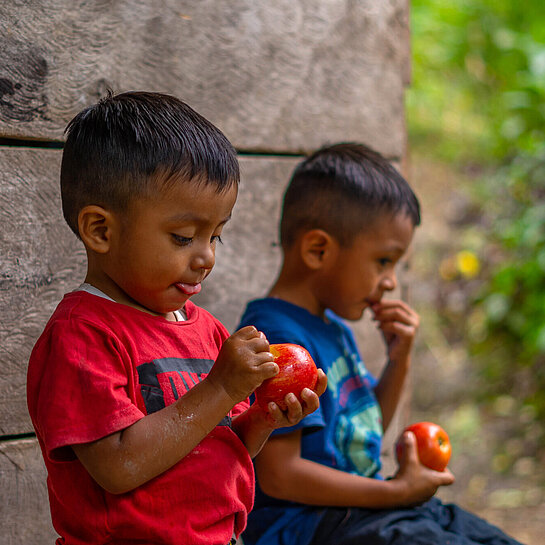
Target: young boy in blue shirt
column 348, row 218
column 139, row 397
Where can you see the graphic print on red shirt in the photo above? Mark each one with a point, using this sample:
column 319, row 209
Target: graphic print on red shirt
column 165, row 380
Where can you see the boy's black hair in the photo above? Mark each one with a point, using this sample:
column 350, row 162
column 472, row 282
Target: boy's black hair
column 120, row 148
column 342, row 189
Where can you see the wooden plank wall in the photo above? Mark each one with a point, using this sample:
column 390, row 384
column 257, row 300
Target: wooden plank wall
column 279, row 78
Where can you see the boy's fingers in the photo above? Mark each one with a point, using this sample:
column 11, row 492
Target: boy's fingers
column 399, row 315
column 392, row 303
column 275, row 412
column 311, row 400
column 268, row 369
column 409, row 452
column 249, row 332
column 261, row 358
column 259, row 344
column 445, row 477
column 398, row 328
column 294, row 408
column 321, row 384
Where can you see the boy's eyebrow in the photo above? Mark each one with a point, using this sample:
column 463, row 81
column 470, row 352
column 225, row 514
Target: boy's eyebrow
column 224, row 221
column 190, row 216
column 394, row 247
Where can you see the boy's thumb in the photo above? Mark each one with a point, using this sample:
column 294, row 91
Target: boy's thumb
column 407, row 449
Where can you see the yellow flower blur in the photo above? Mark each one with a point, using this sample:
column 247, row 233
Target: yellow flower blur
column 468, row 264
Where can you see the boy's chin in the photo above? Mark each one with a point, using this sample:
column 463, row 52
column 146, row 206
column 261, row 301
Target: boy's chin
column 352, row 315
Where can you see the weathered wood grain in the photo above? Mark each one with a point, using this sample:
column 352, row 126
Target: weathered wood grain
column 280, row 76
column 24, row 505
column 40, row 259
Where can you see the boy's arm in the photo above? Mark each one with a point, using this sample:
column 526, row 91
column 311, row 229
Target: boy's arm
column 284, row 474
column 129, row 458
column 255, row 425
column 399, row 324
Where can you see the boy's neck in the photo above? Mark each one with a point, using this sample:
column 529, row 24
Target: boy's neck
column 296, row 293
column 114, row 293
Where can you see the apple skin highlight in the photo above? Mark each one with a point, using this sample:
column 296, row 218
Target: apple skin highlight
column 297, row 371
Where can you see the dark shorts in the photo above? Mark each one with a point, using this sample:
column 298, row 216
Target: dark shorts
column 432, row 523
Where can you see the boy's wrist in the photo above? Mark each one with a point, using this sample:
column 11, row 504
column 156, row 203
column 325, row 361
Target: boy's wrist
column 397, row 491
column 215, row 390
column 403, row 360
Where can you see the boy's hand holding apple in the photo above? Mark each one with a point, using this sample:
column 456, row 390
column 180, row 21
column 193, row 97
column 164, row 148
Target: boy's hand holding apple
column 246, row 362
column 293, row 393
column 415, row 483
column 255, row 425
column 417, row 444
column 243, row 363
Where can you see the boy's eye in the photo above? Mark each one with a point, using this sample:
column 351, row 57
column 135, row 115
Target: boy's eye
column 180, row 240
column 384, row 261
column 216, row 238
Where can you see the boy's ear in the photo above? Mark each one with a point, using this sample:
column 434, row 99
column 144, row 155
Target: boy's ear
column 317, row 248
column 95, row 226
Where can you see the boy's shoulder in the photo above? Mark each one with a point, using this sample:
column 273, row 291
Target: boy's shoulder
column 82, row 306
column 273, row 312
column 282, row 321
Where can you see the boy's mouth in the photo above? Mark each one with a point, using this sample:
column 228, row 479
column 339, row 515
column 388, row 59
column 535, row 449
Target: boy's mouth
column 371, row 303
column 188, row 289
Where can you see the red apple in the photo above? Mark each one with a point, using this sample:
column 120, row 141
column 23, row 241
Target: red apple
column 297, row 371
column 433, row 443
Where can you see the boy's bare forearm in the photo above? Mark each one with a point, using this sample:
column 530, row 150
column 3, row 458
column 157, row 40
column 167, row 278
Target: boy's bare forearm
column 312, row 483
column 399, row 324
column 390, row 388
column 129, row 458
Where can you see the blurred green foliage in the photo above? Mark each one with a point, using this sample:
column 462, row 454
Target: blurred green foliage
column 478, row 77
column 478, row 101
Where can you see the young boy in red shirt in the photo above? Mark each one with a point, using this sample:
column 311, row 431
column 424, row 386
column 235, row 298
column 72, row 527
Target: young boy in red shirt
column 138, row 397
column 348, row 218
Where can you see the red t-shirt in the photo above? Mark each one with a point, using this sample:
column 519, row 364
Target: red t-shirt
column 99, row 367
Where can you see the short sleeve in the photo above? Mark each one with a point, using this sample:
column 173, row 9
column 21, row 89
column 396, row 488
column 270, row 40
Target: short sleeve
column 87, row 387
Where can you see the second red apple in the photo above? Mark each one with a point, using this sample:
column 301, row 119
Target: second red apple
column 433, row 444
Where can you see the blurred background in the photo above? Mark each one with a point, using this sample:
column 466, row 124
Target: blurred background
column 280, row 79
column 476, row 122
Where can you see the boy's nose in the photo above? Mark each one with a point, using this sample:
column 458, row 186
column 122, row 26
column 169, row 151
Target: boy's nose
column 204, row 259
column 389, row 282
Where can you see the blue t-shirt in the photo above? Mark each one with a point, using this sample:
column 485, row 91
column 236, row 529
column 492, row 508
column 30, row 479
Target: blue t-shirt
column 344, row 433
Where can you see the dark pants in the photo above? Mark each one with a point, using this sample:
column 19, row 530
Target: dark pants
column 432, row 523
